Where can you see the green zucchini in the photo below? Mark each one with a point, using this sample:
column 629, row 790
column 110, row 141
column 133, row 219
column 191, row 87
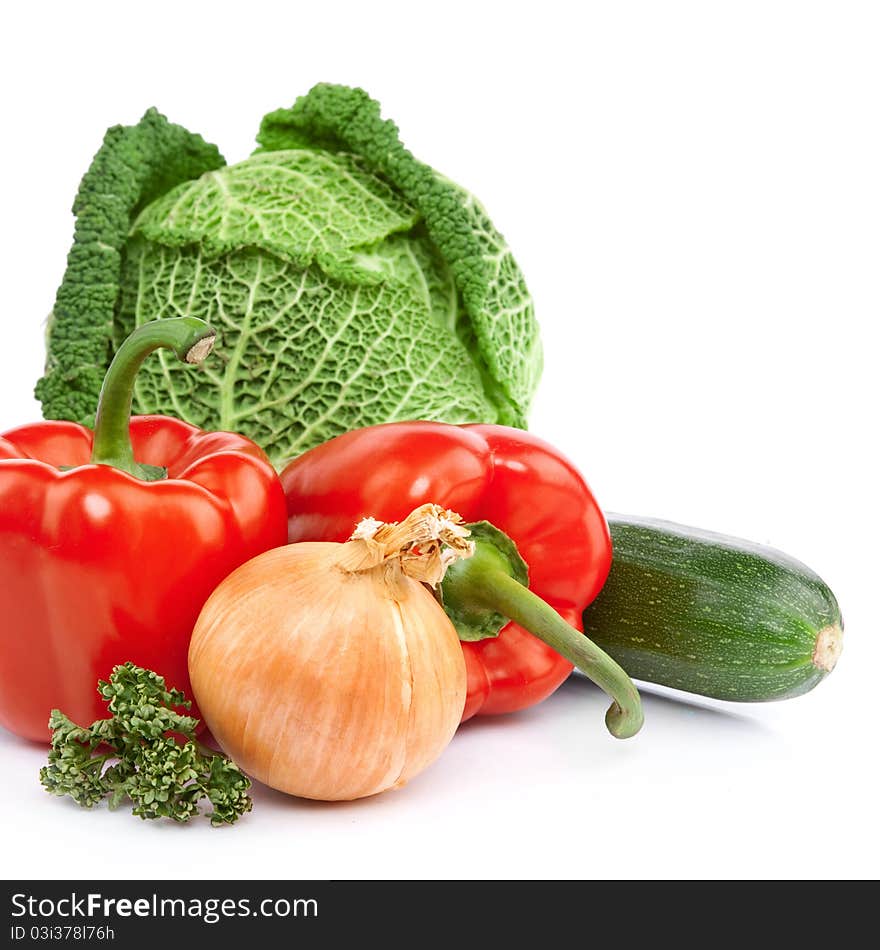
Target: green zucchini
column 713, row 615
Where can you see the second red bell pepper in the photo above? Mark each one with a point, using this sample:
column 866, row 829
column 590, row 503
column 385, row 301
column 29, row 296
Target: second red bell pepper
column 507, row 477
column 111, row 542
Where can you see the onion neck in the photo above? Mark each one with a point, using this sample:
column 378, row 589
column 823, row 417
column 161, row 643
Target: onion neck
column 421, row 547
column 191, row 340
column 482, row 590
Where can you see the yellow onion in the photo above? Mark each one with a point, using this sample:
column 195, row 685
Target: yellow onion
column 330, row 671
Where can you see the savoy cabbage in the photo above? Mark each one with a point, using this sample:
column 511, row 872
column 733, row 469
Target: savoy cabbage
column 350, row 283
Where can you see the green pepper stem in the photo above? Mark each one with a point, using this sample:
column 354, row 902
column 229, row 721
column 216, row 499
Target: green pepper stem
column 482, row 592
column 624, row 717
column 191, row 340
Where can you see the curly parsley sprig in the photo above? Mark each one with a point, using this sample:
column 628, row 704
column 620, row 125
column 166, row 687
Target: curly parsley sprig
column 132, row 756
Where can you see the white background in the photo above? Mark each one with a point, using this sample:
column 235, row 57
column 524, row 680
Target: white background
column 692, row 192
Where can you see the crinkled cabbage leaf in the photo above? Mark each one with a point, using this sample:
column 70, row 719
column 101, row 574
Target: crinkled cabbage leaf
column 350, row 283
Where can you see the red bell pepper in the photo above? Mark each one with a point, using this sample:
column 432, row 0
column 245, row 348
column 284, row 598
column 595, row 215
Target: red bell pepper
column 522, row 486
column 111, row 542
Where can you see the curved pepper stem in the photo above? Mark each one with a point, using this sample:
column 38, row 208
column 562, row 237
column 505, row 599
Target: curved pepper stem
column 191, row 340
column 482, row 592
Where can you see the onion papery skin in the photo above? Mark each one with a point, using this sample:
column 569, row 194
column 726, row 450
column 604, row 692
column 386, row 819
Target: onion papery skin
column 323, row 683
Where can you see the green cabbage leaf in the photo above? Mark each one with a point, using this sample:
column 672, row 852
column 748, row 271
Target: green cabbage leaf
column 350, row 284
